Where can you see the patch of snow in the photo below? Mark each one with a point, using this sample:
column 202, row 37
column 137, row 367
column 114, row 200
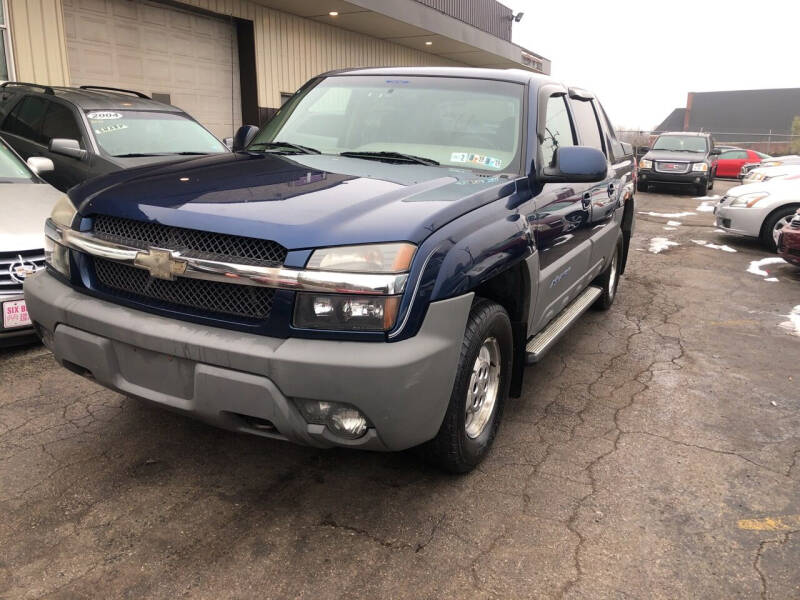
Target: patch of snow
column 755, row 265
column 670, row 228
column 668, row 215
column 674, row 223
column 720, row 231
column 705, row 244
column 659, row 244
column 771, row 279
column 793, row 324
column 715, row 197
column 707, row 206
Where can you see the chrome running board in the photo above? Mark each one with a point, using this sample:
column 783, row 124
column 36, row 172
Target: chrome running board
column 539, row 344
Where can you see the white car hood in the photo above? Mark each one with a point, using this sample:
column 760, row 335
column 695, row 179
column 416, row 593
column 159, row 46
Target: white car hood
column 24, row 207
column 779, row 188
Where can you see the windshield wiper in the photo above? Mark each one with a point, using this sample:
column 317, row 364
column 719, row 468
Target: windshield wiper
column 392, row 156
column 141, row 154
column 287, row 146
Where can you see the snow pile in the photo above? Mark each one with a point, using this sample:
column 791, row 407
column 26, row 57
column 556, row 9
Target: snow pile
column 659, row 244
column 793, row 324
column 707, row 206
column 674, row 223
column 668, row 215
column 705, row 244
column 756, row 265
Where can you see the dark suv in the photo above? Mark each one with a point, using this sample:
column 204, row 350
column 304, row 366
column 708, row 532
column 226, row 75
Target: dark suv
column 679, row 158
column 92, row 130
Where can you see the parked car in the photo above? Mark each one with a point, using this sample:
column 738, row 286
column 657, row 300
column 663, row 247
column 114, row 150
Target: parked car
column 764, row 174
column 730, row 161
column 354, row 278
column 93, row 130
column 679, row 159
column 789, row 240
column 25, row 201
column 774, row 161
column 759, row 210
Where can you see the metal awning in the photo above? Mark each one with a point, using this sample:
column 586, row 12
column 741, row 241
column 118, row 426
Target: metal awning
column 412, row 24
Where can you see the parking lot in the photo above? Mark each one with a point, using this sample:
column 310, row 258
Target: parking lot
column 654, row 454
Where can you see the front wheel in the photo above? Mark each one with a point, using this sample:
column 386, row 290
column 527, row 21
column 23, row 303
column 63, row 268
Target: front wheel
column 479, row 392
column 771, row 229
column 609, row 280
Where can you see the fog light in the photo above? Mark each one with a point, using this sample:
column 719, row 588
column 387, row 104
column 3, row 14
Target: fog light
column 341, row 419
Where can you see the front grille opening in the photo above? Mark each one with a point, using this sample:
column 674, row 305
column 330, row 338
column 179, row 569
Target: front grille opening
column 207, row 296
column 190, row 242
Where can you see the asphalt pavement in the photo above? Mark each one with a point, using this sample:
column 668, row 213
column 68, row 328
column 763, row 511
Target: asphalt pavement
column 655, row 453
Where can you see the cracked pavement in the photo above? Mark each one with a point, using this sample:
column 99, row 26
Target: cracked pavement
column 638, row 445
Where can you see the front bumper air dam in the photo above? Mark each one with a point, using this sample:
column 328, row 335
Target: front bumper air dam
column 654, row 177
column 218, row 375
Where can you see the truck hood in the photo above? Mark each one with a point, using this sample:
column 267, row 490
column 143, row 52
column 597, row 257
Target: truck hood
column 300, row 201
column 675, row 156
column 25, row 207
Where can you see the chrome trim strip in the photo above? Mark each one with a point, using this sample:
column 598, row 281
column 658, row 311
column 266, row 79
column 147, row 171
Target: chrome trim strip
column 399, row 330
column 301, row 280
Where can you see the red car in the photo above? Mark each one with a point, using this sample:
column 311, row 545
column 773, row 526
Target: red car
column 789, row 242
column 730, row 162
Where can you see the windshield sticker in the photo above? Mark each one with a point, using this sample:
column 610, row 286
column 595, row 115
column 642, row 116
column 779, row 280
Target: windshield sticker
column 110, row 128
column 103, row 116
column 478, row 159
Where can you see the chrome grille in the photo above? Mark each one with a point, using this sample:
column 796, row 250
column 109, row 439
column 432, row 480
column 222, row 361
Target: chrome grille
column 191, row 242
column 8, row 285
column 671, row 166
column 205, row 296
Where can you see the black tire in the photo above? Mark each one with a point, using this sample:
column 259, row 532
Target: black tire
column 711, row 184
column 609, row 280
column 700, row 190
column 641, row 187
column 766, row 237
column 453, row 449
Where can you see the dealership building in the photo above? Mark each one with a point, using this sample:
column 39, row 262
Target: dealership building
column 229, row 62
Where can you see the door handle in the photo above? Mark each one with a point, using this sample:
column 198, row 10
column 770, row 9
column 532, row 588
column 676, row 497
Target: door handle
column 586, row 200
column 611, row 189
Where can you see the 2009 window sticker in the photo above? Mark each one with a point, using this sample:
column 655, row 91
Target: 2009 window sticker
column 103, row 115
column 477, row 159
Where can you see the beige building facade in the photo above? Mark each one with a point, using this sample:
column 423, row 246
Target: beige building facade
column 229, row 62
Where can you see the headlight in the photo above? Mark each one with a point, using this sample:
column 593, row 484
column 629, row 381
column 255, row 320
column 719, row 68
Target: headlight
column 56, row 255
column 63, row 212
column 369, row 258
column 345, row 312
column 701, row 167
column 748, row 200
column 645, row 164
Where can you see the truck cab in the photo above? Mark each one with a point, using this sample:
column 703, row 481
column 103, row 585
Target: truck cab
column 375, row 269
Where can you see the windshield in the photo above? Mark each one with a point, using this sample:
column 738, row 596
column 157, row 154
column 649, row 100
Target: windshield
column 12, row 169
column 147, row 133
column 457, row 122
column 681, row 143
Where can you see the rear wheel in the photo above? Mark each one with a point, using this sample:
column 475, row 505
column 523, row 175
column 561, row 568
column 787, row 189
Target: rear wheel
column 479, row 392
column 609, row 280
column 770, row 230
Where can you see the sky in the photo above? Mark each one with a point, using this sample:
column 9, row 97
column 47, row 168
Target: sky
column 642, row 58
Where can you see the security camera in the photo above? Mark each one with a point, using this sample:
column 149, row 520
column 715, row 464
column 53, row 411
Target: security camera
column 518, row 17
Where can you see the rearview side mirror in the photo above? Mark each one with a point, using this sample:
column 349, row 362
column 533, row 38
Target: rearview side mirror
column 576, row 164
column 243, row 137
column 716, row 152
column 67, row 147
column 40, row 164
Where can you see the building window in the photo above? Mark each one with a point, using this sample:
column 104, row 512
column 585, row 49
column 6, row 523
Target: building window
column 6, row 65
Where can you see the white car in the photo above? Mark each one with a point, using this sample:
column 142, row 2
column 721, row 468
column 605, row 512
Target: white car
column 759, row 210
column 767, row 173
column 25, row 203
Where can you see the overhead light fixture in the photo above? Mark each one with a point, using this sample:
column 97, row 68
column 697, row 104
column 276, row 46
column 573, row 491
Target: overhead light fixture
column 429, row 43
column 333, row 13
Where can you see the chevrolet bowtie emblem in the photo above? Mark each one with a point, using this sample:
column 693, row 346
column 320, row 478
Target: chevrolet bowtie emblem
column 160, row 264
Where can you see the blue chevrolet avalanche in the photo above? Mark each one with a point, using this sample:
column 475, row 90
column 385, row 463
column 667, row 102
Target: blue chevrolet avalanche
column 373, row 269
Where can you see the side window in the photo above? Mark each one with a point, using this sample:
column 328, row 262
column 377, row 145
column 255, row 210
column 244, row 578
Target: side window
column 612, row 143
column 25, row 119
column 59, row 122
column 586, row 124
column 558, row 129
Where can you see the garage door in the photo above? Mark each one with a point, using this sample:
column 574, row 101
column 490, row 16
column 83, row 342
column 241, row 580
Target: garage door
column 157, row 49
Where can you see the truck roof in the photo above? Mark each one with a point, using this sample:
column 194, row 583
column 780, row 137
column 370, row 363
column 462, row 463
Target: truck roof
column 513, row 75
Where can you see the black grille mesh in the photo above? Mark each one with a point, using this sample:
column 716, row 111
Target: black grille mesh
column 191, row 242
column 207, row 296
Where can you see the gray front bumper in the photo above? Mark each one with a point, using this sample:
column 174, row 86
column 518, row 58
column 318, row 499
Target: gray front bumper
column 217, row 375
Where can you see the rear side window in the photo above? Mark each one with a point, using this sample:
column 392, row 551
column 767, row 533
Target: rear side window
column 733, row 155
column 558, row 129
column 586, row 124
column 59, row 122
column 25, row 120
